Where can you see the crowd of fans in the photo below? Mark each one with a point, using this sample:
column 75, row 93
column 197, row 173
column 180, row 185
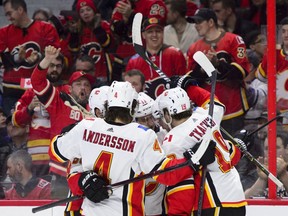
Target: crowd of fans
column 94, row 40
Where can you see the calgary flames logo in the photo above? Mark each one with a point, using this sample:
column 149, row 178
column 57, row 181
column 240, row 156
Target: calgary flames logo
column 92, row 49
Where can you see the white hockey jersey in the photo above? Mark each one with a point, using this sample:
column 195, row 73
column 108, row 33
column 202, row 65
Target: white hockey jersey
column 223, row 186
column 117, row 153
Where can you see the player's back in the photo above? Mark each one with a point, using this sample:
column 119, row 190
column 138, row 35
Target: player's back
column 117, row 152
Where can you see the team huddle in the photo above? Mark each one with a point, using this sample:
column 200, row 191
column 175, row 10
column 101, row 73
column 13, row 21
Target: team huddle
column 115, row 147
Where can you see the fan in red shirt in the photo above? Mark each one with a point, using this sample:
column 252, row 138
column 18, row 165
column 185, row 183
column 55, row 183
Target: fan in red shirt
column 168, row 58
column 21, row 45
column 26, row 186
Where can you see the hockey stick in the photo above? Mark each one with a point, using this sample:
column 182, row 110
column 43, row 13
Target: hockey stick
column 112, row 186
column 140, row 50
column 57, row 203
column 253, row 159
column 138, row 46
column 210, row 70
column 282, row 115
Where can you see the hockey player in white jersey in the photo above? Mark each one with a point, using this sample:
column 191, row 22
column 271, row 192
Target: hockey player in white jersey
column 97, row 100
column 223, row 190
column 114, row 149
column 154, row 191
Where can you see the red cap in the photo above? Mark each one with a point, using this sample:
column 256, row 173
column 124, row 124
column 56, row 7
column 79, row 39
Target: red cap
column 78, row 74
column 82, row 3
column 152, row 22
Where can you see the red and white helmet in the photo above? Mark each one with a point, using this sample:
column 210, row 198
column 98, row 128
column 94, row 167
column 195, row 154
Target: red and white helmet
column 98, row 98
column 145, row 103
column 121, row 94
column 175, row 100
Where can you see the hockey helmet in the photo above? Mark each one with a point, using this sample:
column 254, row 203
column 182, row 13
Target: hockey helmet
column 121, row 94
column 175, row 100
column 98, row 98
column 145, row 103
column 156, row 112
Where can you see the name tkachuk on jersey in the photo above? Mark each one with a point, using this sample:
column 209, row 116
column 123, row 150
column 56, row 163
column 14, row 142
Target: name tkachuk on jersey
column 109, row 141
column 200, row 130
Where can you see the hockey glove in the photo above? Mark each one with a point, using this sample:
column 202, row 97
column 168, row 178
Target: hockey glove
column 243, row 139
column 207, row 158
column 93, row 186
column 182, row 81
column 241, row 143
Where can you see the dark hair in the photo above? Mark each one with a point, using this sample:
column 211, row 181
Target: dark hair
column 251, row 37
column 179, row 6
column 136, row 72
column 84, row 58
column 179, row 116
column 226, row 4
column 120, row 113
column 15, row 4
column 284, row 21
column 41, row 11
column 61, row 58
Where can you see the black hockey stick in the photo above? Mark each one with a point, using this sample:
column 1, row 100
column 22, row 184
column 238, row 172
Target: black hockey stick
column 210, row 70
column 112, row 186
column 253, row 159
column 138, row 46
column 56, row 203
column 282, row 115
column 140, row 50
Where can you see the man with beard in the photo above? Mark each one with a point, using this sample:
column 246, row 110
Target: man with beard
column 30, row 111
column 26, row 186
column 64, row 108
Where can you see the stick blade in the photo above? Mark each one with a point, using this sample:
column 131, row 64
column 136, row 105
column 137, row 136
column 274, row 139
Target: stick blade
column 136, row 29
column 204, row 62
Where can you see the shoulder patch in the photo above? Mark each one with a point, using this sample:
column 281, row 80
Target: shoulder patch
column 143, row 127
column 43, row 183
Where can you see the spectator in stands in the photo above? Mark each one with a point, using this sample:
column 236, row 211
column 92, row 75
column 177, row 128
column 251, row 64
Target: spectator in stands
column 281, row 69
column 227, row 52
column 4, row 146
column 29, row 111
column 41, row 14
column 178, row 32
column 68, row 26
column 26, row 186
column 121, row 26
column 256, row 44
column 192, row 7
column 18, row 136
column 257, row 12
column 105, row 7
column 95, row 38
column 259, row 188
column 136, row 78
column 228, row 19
column 86, row 64
column 168, row 58
column 257, row 90
column 64, row 109
column 21, row 44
